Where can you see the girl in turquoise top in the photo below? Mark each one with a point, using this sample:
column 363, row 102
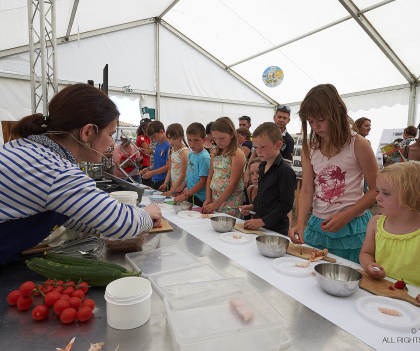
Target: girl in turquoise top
column 392, row 241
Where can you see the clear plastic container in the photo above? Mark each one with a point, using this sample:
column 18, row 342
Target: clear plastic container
column 200, row 318
column 190, row 274
column 164, row 259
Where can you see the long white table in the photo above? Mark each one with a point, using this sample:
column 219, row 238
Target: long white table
column 338, row 310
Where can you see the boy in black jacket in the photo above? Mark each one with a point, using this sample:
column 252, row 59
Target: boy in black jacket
column 276, row 190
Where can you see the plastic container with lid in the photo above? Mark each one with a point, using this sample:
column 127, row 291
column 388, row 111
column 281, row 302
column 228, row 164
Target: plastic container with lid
column 163, row 259
column 200, row 318
column 126, row 197
column 128, row 303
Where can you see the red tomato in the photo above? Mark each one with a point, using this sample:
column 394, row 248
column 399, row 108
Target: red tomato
column 75, row 302
column 24, row 303
column 48, row 288
column 68, row 291
column 27, row 288
column 78, row 293
column 40, row 312
column 89, row 303
column 84, row 314
column 83, row 286
column 51, row 298
column 13, row 297
column 71, row 283
column 58, row 289
column 60, row 306
column 59, row 283
column 65, row 297
column 38, row 290
column 68, row 315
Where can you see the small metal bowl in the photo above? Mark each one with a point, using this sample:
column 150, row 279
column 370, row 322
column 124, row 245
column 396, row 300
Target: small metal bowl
column 272, row 245
column 336, row 279
column 223, row 224
column 182, row 206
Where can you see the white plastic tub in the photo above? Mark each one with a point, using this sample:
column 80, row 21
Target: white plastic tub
column 128, row 302
column 126, row 197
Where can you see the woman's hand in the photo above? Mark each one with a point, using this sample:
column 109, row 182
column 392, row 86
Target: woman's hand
column 296, row 234
column 209, row 208
column 335, row 222
column 375, row 273
column 155, row 213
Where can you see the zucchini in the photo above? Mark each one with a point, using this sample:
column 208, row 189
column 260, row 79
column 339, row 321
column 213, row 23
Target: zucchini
column 93, row 275
column 82, row 262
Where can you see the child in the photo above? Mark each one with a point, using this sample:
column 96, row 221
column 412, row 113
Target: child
column 392, row 241
column 156, row 131
column 178, row 160
column 276, row 181
column 198, row 166
column 209, row 144
column 254, row 175
column 334, row 164
column 225, row 186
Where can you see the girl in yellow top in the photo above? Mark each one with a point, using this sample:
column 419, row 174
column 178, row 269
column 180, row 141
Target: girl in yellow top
column 392, row 241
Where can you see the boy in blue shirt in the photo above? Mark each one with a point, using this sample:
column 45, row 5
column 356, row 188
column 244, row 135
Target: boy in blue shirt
column 156, row 130
column 198, row 166
column 276, row 182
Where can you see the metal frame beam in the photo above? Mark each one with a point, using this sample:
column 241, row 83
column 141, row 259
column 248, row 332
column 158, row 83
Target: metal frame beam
column 168, row 9
column 71, row 21
column 157, row 71
column 43, row 64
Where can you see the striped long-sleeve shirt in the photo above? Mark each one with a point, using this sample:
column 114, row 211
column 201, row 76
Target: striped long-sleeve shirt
column 43, row 176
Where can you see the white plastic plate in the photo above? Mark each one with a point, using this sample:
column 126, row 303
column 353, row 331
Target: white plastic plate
column 243, row 238
column 189, row 214
column 367, row 306
column 287, row 265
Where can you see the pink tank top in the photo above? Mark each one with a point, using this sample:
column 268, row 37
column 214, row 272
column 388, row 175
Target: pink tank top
column 338, row 181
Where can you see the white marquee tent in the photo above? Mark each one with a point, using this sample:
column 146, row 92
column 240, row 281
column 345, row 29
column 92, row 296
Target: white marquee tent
column 197, row 60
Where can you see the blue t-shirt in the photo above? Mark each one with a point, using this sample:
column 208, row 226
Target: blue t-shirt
column 198, row 166
column 160, row 156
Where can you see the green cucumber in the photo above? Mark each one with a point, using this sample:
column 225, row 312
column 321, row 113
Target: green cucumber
column 93, row 275
column 74, row 261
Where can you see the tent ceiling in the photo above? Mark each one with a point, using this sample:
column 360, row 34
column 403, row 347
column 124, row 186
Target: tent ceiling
column 235, row 30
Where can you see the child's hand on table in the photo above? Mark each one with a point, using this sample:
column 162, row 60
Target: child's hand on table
column 147, row 175
column 245, row 209
column 209, row 208
column 181, row 197
column 254, row 223
column 377, row 273
column 296, row 234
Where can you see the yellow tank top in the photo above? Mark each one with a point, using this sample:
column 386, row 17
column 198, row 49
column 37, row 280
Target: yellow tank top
column 398, row 254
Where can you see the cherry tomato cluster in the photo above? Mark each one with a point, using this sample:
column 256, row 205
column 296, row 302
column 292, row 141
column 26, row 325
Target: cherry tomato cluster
column 67, row 300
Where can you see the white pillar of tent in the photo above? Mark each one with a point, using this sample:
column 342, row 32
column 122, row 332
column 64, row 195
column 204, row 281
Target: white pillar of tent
column 157, row 73
column 412, row 106
column 39, row 42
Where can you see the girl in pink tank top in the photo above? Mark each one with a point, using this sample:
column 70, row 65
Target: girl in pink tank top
column 334, row 163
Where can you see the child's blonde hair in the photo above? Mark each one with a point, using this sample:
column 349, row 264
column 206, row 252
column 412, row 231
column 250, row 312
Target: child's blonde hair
column 175, row 130
column 225, row 125
column 405, row 178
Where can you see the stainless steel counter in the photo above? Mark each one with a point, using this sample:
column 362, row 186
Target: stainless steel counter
column 18, row 331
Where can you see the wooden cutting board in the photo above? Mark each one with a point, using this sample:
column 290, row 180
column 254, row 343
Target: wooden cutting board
column 165, row 228
column 305, row 252
column 240, row 227
column 381, row 288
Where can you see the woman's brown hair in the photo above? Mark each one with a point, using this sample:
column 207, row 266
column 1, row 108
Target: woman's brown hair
column 359, row 122
column 225, row 125
column 323, row 101
column 69, row 110
column 245, row 132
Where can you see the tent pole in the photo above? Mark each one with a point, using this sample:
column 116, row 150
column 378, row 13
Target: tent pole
column 157, row 72
column 412, row 106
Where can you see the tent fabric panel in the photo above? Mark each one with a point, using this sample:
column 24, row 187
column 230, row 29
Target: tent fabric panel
column 398, row 24
column 233, row 29
column 322, row 58
column 184, row 70
column 129, row 54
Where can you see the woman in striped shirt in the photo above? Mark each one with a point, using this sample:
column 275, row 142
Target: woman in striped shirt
column 41, row 185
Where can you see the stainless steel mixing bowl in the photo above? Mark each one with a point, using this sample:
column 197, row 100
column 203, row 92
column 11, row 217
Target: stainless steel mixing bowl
column 336, row 279
column 223, row 224
column 272, row 245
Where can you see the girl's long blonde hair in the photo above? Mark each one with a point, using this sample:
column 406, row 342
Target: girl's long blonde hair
column 176, row 130
column 405, row 178
column 323, row 101
column 225, row 125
